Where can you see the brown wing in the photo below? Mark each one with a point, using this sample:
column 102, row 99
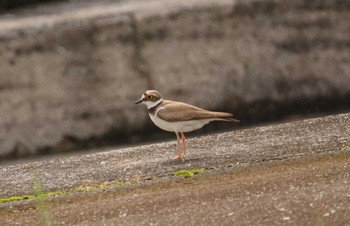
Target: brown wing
column 178, row 111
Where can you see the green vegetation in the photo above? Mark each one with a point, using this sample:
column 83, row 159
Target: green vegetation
column 40, row 195
column 189, row 173
column 17, row 198
column 42, row 204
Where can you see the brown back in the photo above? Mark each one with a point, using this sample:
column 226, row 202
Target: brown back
column 178, row 111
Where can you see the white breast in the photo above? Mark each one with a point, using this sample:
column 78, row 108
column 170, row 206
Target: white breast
column 180, row 126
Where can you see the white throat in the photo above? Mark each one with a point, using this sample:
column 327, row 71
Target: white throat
column 152, row 104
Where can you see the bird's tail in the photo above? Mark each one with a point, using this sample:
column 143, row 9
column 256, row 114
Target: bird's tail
column 230, row 119
column 224, row 116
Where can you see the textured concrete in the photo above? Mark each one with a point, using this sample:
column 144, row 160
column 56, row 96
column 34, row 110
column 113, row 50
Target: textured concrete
column 72, row 75
column 285, row 174
column 311, row 137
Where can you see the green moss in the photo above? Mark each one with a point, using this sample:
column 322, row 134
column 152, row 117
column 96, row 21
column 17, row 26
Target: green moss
column 189, row 173
column 82, row 188
column 17, row 198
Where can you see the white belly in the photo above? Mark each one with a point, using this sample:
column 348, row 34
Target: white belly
column 184, row 126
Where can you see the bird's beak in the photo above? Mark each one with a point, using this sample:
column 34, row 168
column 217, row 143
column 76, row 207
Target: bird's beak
column 139, row 101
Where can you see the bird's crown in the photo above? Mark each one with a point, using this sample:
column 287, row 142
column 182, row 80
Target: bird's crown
column 152, row 95
column 151, row 98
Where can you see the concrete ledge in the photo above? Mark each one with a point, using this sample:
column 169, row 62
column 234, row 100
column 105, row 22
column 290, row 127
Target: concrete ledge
column 299, row 139
column 72, row 77
column 294, row 172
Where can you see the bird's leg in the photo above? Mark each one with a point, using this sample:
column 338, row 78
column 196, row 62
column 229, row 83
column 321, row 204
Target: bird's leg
column 183, row 138
column 178, row 157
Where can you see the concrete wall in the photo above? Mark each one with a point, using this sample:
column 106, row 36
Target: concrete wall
column 74, row 75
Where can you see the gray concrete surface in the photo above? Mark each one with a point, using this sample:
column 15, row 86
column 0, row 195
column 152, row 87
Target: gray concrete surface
column 70, row 73
column 294, row 173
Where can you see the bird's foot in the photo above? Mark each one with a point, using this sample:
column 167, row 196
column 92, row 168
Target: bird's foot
column 178, row 157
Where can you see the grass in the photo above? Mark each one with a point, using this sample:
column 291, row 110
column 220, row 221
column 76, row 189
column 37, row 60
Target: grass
column 41, row 203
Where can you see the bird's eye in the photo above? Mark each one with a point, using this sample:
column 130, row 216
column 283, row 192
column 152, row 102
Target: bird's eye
column 148, row 97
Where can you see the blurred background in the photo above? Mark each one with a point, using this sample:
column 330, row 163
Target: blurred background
column 70, row 71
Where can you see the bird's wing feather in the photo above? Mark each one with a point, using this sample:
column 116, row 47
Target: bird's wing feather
column 178, row 111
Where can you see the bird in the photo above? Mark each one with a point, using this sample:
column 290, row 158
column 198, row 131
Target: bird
column 179, row 117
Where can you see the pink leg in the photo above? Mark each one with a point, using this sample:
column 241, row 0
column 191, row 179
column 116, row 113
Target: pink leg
column 183, row 138
column 178, row 157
